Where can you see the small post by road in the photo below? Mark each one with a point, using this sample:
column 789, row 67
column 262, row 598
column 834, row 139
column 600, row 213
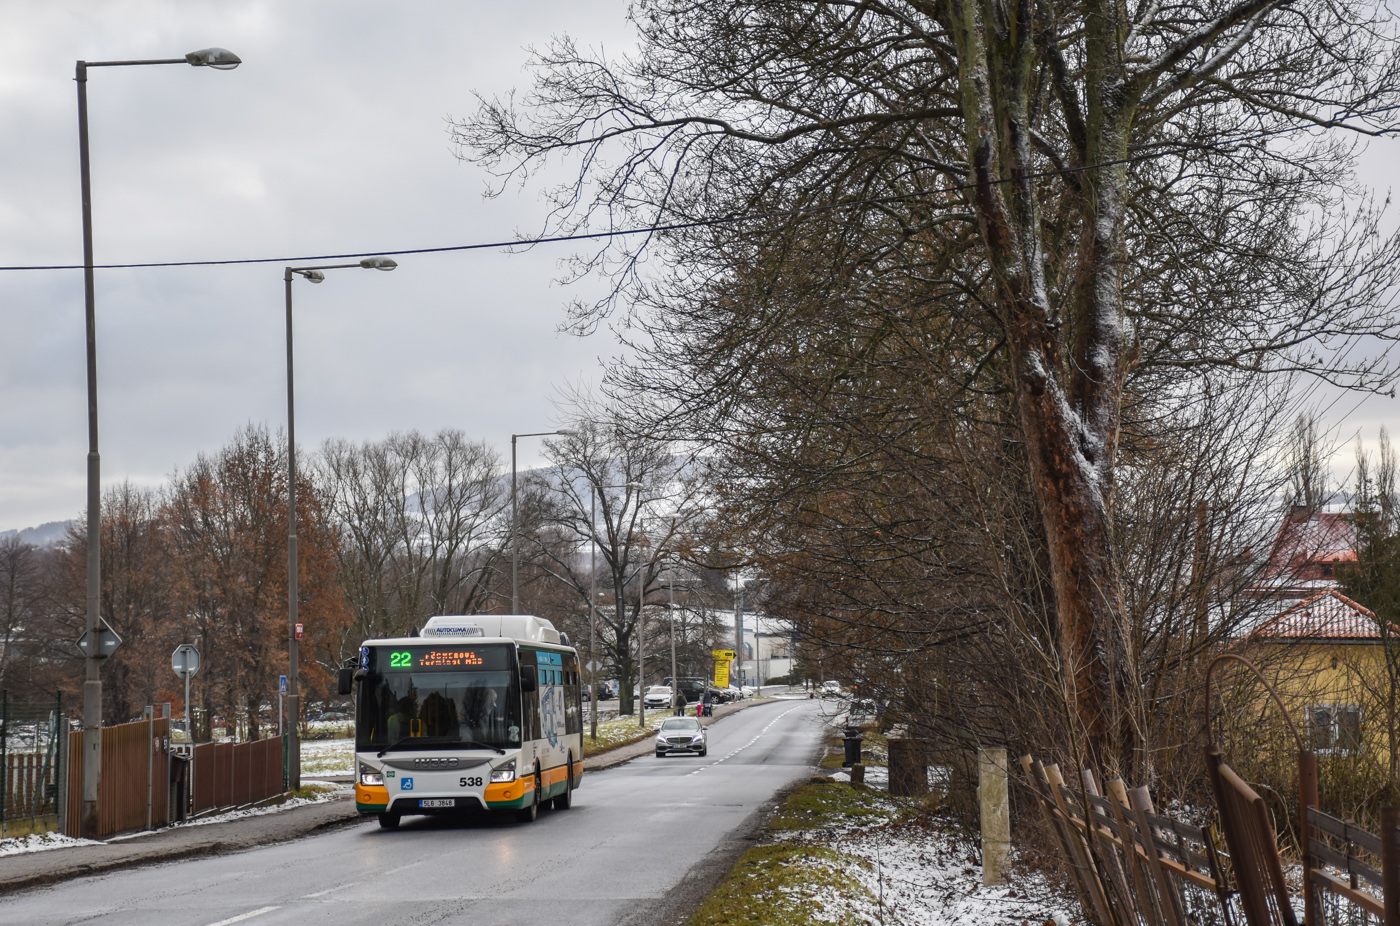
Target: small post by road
column 995, row 813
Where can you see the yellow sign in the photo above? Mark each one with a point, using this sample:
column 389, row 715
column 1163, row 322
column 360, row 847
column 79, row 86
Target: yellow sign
column 722, row 673
column 722, row 654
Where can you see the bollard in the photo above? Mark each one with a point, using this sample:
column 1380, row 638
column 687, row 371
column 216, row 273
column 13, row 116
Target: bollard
column 995, row 814
column 858, row 775
column 852, row 740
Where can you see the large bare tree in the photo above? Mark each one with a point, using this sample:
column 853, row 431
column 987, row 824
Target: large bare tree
column 1083, row 201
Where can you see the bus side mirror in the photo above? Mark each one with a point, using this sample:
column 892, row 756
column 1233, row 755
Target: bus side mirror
column 345, row 681
column 528, row 681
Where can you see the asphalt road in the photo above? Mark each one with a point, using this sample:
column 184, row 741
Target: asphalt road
column 635, row 832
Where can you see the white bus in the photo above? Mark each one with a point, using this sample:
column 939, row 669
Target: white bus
column 479, row 713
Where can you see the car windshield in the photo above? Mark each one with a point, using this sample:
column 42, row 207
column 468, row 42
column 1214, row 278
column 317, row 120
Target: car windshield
column 681, row 723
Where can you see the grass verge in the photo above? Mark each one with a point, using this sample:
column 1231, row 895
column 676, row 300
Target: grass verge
column 786, row 883
column 620, row 731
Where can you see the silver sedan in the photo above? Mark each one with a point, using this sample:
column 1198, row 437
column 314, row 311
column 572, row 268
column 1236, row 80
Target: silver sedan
column 681, row 734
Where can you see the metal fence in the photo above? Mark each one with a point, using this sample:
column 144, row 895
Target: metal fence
column 134, row 790
column 31, row 747
column 226, row 775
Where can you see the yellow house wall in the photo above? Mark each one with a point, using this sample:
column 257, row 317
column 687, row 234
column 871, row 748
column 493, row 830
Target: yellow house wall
column 1332, row 673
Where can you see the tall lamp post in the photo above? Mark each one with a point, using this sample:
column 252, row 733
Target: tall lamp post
column 593, row 597
column 220, row 59
column 311, row 275
column 514, row 524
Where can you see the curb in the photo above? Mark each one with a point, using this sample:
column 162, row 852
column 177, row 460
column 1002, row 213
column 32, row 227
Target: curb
column 337, row 812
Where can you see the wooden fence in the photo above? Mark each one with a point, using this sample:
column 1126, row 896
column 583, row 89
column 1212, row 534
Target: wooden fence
column 1131, row 866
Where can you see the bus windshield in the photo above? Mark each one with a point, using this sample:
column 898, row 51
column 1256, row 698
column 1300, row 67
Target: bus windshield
column 438, row 697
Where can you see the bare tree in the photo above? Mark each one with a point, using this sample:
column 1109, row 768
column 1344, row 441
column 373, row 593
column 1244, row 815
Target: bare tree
column 647, row 501
column 1082, row 201
column 421, row 518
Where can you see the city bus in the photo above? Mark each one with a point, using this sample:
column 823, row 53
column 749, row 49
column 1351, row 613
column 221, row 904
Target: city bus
column 477, row 713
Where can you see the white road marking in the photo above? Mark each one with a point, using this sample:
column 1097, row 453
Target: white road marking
column 329, row 890
column 746, row 745
column 245, row 916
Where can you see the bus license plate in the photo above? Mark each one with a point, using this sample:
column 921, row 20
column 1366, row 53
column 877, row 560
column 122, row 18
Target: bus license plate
column 443, row 802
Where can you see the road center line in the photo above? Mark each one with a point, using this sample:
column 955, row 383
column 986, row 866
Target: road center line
column 244, row 916
column 746, row 745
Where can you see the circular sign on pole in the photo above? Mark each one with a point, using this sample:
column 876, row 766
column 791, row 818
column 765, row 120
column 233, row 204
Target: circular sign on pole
column 185, row 660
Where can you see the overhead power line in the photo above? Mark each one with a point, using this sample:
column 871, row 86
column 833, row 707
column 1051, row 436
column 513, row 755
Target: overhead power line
column 1338, row 120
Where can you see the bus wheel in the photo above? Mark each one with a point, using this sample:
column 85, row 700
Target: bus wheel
column 566, row 800
column 389, row 821
column 528, row 814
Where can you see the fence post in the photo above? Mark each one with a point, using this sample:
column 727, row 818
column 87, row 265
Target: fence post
column 4, row 760
column 992, row 800
column 1307, row 798
column 60, row 798
column 1390, row 865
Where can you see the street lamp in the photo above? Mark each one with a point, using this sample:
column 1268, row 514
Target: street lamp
column 593, row 595
column 311, row 275
column 223, row 60
column 514, row 525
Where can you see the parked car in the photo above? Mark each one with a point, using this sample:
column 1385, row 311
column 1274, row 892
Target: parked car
column 748, row 691
column 681, row 734
column 831, row 689
column 692, row 687
column 658, row 696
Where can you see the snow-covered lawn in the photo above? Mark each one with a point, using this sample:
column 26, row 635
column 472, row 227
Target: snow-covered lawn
column 328, row 757
column 620, row 731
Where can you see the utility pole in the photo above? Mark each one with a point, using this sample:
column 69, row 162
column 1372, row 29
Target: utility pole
column 739, row 625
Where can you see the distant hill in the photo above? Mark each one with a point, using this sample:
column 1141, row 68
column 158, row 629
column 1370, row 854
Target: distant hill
column 45, row 535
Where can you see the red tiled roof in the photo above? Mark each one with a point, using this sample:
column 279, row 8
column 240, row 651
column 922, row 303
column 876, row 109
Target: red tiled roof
column 1326, row 616
column 1324, row 537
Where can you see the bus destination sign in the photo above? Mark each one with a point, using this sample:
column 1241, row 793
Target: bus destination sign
column 442, row 658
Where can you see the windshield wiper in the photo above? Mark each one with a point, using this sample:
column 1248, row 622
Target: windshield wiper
column 403, row 739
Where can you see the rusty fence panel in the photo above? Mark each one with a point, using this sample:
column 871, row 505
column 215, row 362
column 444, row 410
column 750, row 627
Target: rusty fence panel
column 1263, row 894
column 229, row 775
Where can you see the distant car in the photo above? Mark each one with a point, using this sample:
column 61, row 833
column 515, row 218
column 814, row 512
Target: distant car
column 658, row 696
column 748, row 691
column 831, row 689
column 681, row 734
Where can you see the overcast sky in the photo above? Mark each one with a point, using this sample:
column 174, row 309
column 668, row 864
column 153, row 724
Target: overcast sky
column 332, row 137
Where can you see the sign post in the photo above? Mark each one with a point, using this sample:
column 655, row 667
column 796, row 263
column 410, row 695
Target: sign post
column 185, row 662
column 281, row 691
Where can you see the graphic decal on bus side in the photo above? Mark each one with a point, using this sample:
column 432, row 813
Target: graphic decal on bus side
column 551, row 669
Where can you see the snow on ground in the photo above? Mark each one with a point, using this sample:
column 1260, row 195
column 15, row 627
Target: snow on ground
column 40, row 842
column 930, row 878
column 322, row 791
column 328, row 757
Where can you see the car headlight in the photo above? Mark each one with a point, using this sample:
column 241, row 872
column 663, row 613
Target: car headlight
column 697, row 737
column 369, row 776
column 504, row 772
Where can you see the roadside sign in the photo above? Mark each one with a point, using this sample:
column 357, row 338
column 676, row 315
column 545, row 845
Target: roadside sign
column 722, row 654
column 281, row 684
column 722, row 673
column 593, row 665
column 105, row 645
column 185, row 660
column 298, row 631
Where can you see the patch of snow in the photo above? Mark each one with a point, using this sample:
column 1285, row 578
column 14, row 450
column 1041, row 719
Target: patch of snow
column 41, row 842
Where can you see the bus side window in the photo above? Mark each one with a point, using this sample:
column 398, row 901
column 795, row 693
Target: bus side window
column 531, row 699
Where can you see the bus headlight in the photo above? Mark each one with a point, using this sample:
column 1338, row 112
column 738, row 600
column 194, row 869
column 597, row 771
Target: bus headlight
column 504, row 772
column 369, row 776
